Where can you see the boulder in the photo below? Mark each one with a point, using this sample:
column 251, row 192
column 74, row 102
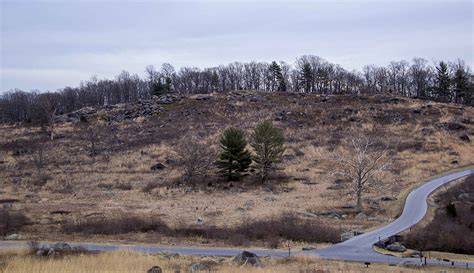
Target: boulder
column 270, row 199
column 453, row 126
column 426, row 131
column 308, row 248
column 155, row 269
column 157, row 167
column 465, row 137
column 196, row 267
column 396, row 247
column 309, row 214
column 464, row 195
column 361, row 216
column 52, row 253
column 388, row 198
column 13, row 236
column 247, row 258
column 61, row 247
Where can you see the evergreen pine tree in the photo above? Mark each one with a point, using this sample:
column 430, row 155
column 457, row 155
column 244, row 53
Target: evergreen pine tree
column 306, row 77
column 234, row 159
column 461, row 85
column 277, row 77
column 268, row 143
column 443, row 82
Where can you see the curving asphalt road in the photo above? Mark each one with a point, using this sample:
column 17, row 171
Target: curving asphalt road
column 358, row 248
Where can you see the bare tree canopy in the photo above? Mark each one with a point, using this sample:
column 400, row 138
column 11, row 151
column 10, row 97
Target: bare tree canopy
column 444, row 81
column 361, row 164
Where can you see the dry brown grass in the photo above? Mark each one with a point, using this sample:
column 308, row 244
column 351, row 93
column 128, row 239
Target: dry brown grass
column 312, row 128
column 18, row 262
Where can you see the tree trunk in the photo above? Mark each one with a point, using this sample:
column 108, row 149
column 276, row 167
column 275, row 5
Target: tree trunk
column 359, row 201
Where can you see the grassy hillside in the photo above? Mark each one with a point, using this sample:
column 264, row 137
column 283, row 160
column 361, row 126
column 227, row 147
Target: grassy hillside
column 63, row 181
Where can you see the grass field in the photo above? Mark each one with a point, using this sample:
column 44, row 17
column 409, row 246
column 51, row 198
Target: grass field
column 20, row 262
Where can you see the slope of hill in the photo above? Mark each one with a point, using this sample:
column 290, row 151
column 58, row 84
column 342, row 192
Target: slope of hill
column 98, row 166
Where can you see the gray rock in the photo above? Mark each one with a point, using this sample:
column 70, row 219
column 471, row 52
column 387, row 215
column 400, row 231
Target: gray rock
column 61, row 247
column 155, row 269
column 196, row 267
column 247, row 258
column 396, row 247
column 388, row 198
column 51, row 253
column 426, row 131
column 40, row 253
column 361, row 216
column 13, row 236
column 464, row 195
column 309, row 214
column 308, row 248
column 465, row 137
column 157, row 167
column 270, row 199
column 452, row 126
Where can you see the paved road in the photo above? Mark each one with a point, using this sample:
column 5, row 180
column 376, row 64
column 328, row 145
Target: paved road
column 358, row 248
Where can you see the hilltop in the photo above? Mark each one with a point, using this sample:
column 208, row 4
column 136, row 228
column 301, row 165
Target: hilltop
column 114, row 161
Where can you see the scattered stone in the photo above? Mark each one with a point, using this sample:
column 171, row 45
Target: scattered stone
column 61, row 247
column 52, row 253
column 309, row 214
column 349, row 234
column 396, row 247
column 157, row 167
column 464, row 195
column 308, row 248
column 155, row 269
column 196, row 267
column 465, row 137
column 452, row 126
column 270, row 199
column 247, row 258
column 361, row 216
column 330, row 214
column 426, row 131
column 388, row 199
column 13, row 236
column 249, row 204
column 203, row 97
column 9, row 200
column 200, row 221
column 411, row 264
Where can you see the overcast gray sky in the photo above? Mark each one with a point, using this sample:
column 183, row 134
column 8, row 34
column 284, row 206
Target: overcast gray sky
column 52, row 44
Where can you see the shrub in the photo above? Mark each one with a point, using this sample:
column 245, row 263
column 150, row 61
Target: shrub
column 118, row 225
column 11, row 221
column 195, row 158
column 124, row 186
column 150, row 186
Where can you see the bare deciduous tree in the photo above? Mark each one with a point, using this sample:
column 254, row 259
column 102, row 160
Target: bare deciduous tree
column 362, row 166
column 49, row 110
column 195, row 157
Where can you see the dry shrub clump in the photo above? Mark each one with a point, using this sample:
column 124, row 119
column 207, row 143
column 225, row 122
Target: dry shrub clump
column 11, row 221
column 285, row 227
column 119, row 225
